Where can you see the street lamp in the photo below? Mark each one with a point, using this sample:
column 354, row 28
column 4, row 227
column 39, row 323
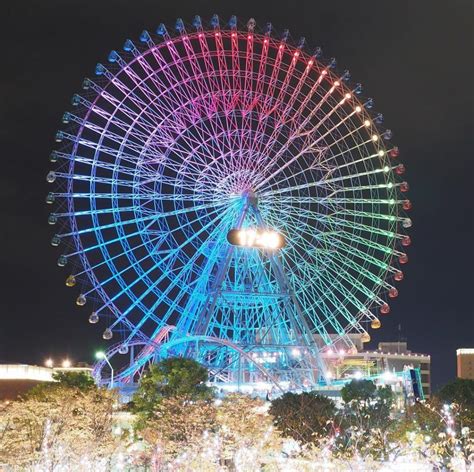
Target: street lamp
column 66, row 363
column 101, row 355
column 49, row 363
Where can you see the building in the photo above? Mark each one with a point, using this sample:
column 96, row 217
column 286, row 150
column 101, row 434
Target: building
column 465, row 363
column 17, row 379
column 389, row 357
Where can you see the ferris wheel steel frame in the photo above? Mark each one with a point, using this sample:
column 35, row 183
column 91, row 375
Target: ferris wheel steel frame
column 180, row 139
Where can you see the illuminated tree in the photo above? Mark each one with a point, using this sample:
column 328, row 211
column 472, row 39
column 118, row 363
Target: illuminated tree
column 366, row 419
column 246, row 430
column 177, row 425
column 55, row 426
column 460, row 392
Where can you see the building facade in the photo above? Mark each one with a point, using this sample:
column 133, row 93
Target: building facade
column 388, row 358
column 465, row 363
column 17, row 379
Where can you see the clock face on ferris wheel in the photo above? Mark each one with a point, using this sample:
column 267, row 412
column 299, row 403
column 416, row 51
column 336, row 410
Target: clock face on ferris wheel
column 155, row 165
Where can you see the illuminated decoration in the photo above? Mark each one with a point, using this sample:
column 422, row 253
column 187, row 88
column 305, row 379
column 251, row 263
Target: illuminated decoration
column 189, row 133
column 252, row 237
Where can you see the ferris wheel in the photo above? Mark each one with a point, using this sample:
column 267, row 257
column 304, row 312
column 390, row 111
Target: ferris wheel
column 189, row 133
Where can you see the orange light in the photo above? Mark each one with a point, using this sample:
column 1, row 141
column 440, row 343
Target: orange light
column 358, row 109
column 336, row 84
column 366, row 123
column 348, row 95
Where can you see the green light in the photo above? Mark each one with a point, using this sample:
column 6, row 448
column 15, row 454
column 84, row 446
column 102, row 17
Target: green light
column 100, row 355
column 386, row 168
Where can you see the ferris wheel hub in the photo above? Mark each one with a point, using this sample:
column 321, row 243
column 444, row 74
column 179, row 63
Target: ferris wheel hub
column 251, row 197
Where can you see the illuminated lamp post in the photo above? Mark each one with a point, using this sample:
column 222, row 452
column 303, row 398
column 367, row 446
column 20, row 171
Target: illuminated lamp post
column 101, row 355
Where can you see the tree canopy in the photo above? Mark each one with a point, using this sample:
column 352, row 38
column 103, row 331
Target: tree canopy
column 172, row 377
column 460, row 391
column 303, row 416
column 54, row 417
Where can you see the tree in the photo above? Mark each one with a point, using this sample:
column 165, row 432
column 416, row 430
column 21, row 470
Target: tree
column 236, row 432
column 76, row 380
column 360, row 390
column 246, row 431
column 173, row 377
column 365, row 419
column 57, row 426
column 178, row 425
column 304, row 416
column 461, row 393
column 81, row 380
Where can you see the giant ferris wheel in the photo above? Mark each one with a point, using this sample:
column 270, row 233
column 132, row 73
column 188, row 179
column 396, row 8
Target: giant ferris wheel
column 197, row 130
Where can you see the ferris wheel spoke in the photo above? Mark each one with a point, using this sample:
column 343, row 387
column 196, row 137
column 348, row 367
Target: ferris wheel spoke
column 166, row 104
column 309, row 309
column 275, row 158
column 354, row 251
column 160, row 237
column 143, row 113
column 309, row 147
column 183, row 270
column 152, row 196
column 324, row 293
column 342, row 273
column 168, row 256
column 153, row 217
column 271, row 105
column 291, row 200
column 362, row 272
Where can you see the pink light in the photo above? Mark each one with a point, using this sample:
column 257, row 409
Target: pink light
column 296, row 54
column 265, row 41
column 249, row 37
column 200, row 35
column 281, row 46
column 310, row 63
column 324, row 72
column 336, row 84
column 233, row 35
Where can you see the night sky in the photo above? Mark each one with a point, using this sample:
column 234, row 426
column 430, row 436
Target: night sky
column 413, row 57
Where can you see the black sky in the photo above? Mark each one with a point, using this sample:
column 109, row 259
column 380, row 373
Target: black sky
column 414, row 57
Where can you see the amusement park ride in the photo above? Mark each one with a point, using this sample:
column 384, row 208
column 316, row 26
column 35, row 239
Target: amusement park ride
column 224, row 194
